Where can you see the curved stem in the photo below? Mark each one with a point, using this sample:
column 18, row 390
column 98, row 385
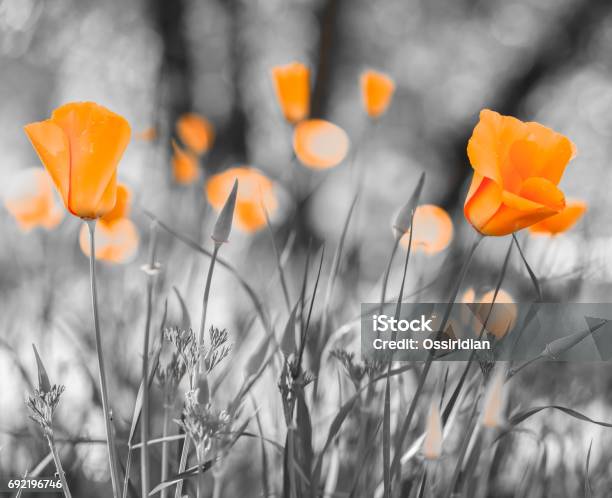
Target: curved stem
column 58, row 466
column 108, row 417
column 211, row 268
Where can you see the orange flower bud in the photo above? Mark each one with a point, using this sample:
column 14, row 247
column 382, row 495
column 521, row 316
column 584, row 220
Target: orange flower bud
column 376, row 92
column 29, row 198
column 562, row 221
column 292, row 87
column 196, row 132
column 80, row 146
column 320, row 144
column 255, row 191
column 517, row 167
column 184, row 165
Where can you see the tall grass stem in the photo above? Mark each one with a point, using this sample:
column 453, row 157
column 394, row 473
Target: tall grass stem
column 58, row 465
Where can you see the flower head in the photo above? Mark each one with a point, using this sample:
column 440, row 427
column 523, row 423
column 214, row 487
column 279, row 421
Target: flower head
column 562, row 221
column 433, row 229
column 517, row 167
column 30, row 200
column 184, row 165
column 292, row 87
column 196, row 132
column 255, row 192
column 81, row 146
column 319, row 144
column 376, row 92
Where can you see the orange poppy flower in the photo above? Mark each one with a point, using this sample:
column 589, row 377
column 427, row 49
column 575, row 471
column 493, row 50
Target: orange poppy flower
column 501, row 318
column 432, row 444
column 116, row 242
column 561, row 222
column 122, row 205
column 292, row 87
column 433, row 229
column 517, row 167
column 196, row 132
column 254, row 190
column 376, row 92
column 80, row 146
column 184, row 165
column 320, row 144
column 30, row 200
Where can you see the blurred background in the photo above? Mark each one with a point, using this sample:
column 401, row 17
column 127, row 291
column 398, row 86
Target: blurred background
column 541, row 60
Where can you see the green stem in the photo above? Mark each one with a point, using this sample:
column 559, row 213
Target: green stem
column 211, row 268
column 182, row 464
column 164, row 457
column 108, row 417
column 58, row 465
column 145, row 422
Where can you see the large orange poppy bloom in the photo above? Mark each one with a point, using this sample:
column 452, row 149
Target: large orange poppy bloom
column 376, row 92
column 30, row 200
column 80, row 146
column 320, row 144
column 184, row 165
column 517, row 167
column 292, row 87
column 562, row 221
column 255, row 191
column 433, row 229
column 196, row 132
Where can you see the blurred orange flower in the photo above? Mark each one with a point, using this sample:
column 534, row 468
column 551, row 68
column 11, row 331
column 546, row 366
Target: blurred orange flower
column 147, row 135
column 562, row 221
column 29, row 199
column 376, row 92
column 116, row 242
column 184, row 165
column 433, row 229
column 292, row 87
column 320, row 144
column 501, row 318
column 196, row 132
column 80, row 146
column 255, row 191
column 116, row 236
column 517, row 167
column 432, row 444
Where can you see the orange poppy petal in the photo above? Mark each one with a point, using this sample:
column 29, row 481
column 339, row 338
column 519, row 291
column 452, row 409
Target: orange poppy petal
column 554, row 152
column 544, row 192
column 292, row 87
column 320, row 144
column 51, row 144
column 116, row 242
column 376, row 92
column 485, row 201
column 433, row 229
column 122, row 204
column 490, row 143
column 196, row 132
column 97, row 138
column 508, row 220
column 562, row 221
column 184, row 165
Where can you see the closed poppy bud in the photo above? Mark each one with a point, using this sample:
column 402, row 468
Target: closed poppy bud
column 517, row 167
column 30, row 200
column 44, row 385
column 292, row 87
column 223, row 226
column 432, row 445
column 81, row 146
column 196, row 132
column 320, row 144
column 116, row 242
column 562, row 221
column 255, row 192
column 376, row 92
column 184, row 165
column 495, row 400
column 433, row 229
